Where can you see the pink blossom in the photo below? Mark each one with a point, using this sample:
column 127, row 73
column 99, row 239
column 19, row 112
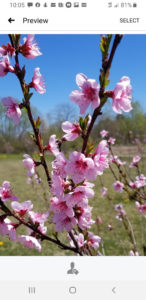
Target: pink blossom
column 80, row 240
column 115, row 159
column 100, row 157
column 29, row 164
column 79, row 196
column 22, row 208
column 121, row 212
column 111, row 141
column 80, row 167
column 94, row 240
column 42, row 228
column 99, row 221
column 38, row 81
column 5, row 50
column 58, row 185
column 110, row 227
column 83, row 215
column 37, row 179
column 29, row 180
column 137, row 141
column 63, row 222
column 140, row 181
column 87, row 187
column 30, row 242
column 132, row 253
column 133, row 185
column 13, row 110
column 141, row 207
column 104, row 133
column 122, row 96
column 59, row 165
column 59, row 205
column 104, row 191
column 135, row 161
column 118, row 207
column 7, row 228
column 72, row 130
column 76, row 198
column 38, row 218
column 6, row 192
column 30, row 48
column 52, row 145
column 118, row 186
column 5, row 66
column 89, row 93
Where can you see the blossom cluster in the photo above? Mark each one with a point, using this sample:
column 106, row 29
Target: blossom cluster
column 89, row 93
column 29, row 50
column 71, row 177
column 139, row 183
column 121, row 212
column 25, row 212
column 71, row 188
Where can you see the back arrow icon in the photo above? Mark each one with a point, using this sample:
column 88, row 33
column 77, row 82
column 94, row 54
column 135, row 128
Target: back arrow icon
column 114, row 290
column 10, row 20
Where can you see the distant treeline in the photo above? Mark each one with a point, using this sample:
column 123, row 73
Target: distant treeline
column 125, row 128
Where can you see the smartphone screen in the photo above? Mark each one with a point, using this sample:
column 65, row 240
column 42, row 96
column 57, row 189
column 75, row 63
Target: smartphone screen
column 72, row 150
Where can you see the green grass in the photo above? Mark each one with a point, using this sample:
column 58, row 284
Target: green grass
column 116, row 242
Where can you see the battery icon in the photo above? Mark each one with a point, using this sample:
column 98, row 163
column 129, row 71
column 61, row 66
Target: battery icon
column 29, row 4
column 134, row 4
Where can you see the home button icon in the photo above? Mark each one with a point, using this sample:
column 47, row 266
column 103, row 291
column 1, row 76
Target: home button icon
column 72, row 290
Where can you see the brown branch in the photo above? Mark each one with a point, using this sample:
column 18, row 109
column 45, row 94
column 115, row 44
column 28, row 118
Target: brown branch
column 96, row 113
column 75, row 243
column 129, row 230
column 117, row 40
column 27, row 105
column 38, row 142
column 8, row 212
column 105, row 68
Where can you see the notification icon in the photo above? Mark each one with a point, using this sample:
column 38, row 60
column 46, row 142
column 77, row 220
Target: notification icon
column 68, row 4
column 76, row 4
column 29, row 4
column 37, row 4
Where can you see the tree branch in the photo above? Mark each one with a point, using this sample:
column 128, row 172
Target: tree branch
column 8, row 212
column 105, row 68
column 27, row 105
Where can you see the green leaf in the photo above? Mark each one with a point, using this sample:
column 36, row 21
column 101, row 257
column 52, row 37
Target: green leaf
column 32, row 136
column 81, row 122
column 90, row 148
column 86, row 121
column 38, row 122
column 106, row 82
column 36, row 157
column 25, row 109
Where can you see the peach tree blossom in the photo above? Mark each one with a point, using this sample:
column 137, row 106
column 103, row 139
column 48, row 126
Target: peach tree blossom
column 13, row 110
column 71, row 178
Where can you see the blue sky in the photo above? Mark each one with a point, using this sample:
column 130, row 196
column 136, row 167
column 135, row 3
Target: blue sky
column 66, row 55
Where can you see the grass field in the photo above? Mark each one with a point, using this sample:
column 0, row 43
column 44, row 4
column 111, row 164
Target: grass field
column 115, row 242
